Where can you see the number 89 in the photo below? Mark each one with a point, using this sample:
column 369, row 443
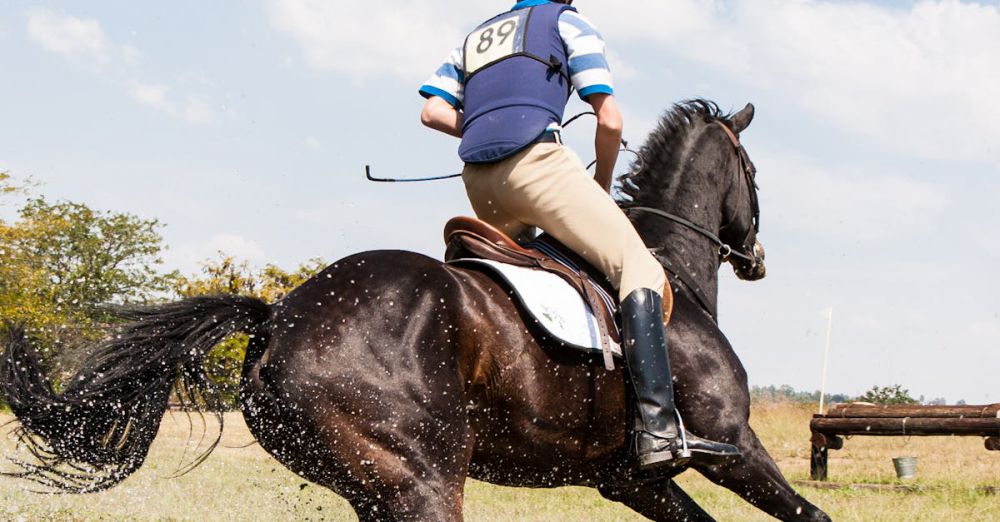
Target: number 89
column 486, row 37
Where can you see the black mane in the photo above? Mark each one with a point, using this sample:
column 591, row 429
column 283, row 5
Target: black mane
column 666, row 145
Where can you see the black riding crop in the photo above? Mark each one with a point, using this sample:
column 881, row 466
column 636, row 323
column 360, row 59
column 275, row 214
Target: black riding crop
column 368, row 169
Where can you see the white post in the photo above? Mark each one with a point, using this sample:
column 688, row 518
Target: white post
column 826, row 355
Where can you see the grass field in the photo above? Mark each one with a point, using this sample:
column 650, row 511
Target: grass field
column 246, row 484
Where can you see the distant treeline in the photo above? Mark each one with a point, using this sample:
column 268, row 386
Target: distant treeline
column 786, row 393
column 893, row 394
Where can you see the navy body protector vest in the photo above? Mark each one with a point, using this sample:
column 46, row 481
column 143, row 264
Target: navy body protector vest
column 516, row 82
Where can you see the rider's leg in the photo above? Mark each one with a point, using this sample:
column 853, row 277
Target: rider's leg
column 659, row 440
column 479, row 187
column 547, row 186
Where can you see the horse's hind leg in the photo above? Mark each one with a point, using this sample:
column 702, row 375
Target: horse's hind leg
column 756, row 478
column 660, row 500
column 416, row 484
column 368, row 451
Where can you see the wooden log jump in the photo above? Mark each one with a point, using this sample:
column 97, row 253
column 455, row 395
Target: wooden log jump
column 898, row 421
column 862, row 410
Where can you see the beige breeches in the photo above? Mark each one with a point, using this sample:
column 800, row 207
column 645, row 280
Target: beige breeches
column 546, row 186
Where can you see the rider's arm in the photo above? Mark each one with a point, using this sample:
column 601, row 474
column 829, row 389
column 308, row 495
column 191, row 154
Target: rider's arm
column 440, row 115
column 591, row 77
column 609, row 137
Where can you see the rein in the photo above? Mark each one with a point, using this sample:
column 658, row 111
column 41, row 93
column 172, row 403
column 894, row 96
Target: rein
column 725, row 250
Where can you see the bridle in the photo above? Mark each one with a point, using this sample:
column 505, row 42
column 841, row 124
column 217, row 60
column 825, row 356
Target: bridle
column 748, row 173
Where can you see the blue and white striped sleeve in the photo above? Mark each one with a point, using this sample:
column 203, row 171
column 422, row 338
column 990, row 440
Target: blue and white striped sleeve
column 448, row 82
column 588, row 66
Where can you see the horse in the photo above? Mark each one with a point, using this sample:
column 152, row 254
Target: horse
column 391, row 377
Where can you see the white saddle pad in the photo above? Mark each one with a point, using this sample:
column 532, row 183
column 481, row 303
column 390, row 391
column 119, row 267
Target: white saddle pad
column 555, row 304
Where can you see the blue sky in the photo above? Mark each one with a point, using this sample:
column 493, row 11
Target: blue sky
column 245, row 127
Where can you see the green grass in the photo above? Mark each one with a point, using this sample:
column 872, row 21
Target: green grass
column 245, row 483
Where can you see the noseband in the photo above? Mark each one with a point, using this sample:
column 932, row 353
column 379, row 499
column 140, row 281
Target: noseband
column 726, row 251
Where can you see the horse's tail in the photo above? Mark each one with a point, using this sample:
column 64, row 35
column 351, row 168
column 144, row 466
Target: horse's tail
column 98, row 429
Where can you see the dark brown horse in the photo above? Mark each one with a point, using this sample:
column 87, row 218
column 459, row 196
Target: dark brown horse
column 391, row 377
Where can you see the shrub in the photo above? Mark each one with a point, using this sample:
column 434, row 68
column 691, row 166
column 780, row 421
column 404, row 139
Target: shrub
column 894, row 394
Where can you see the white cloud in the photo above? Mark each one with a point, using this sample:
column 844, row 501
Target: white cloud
column 237, row 246
column 193, row 109
column 79, row 40
column 189, row 258
column 921, row 80
column 849, row 204
column 365, row 39
column 313, row 216
column 312, row 143
column 154, row 96
column 197, row 111
column 83, row 42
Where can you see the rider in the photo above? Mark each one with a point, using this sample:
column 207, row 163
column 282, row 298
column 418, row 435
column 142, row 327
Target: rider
column 503, row 92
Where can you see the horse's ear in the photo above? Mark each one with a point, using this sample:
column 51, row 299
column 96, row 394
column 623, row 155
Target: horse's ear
column 741, row 120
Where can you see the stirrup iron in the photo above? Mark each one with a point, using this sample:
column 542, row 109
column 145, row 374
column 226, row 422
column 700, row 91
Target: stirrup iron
column 682, row 435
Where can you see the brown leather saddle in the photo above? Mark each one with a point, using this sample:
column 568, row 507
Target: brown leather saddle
column 469, row 238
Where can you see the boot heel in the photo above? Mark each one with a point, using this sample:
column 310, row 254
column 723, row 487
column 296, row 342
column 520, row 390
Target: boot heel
column 663, row 459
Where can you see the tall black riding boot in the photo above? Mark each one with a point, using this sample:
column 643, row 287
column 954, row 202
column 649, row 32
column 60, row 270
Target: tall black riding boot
column 659, row 436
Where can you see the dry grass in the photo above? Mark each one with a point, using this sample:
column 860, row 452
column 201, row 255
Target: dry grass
column 950, row 470
column 245, row 483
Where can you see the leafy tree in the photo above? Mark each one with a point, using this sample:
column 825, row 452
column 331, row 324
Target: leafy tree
column 894, row 394
column 61, row 261
column 226, row 275
column 9, row 187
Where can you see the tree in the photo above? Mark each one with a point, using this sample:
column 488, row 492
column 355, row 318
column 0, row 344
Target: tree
column 8, row 186
column 894, row 394
column 226, row 275
column 59, row 262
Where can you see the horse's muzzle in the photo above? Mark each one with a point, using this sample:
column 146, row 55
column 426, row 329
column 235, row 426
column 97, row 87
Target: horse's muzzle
column 751, row 271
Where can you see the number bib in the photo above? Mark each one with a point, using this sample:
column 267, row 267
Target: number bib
column 516, row 81
column 494, row 41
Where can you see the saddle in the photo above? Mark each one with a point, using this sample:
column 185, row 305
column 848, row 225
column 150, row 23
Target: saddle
column 469, row 240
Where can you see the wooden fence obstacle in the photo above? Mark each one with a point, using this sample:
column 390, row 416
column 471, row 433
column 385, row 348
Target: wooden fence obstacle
column 843, row 420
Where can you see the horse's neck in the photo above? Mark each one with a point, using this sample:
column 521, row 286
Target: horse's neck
column 694, row 195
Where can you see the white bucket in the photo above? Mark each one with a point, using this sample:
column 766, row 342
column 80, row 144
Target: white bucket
column 906, row 467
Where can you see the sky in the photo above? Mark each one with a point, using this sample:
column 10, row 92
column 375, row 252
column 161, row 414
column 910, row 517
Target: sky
column 245, row 127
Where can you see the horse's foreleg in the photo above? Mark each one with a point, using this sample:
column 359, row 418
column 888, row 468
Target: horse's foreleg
column 660, row 500
column 756, row 478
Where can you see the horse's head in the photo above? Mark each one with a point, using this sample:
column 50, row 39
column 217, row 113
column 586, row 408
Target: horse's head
column 740, row 210
column 693, row 173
